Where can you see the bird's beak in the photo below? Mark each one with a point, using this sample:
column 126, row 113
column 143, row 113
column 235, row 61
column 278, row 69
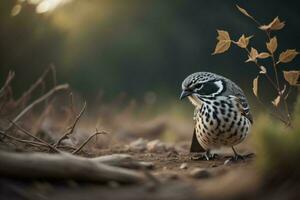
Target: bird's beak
column 184, row 94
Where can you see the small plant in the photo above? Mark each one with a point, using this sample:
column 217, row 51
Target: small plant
column 291, row 77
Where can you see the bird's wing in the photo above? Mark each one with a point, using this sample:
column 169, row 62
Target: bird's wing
column 243, row 106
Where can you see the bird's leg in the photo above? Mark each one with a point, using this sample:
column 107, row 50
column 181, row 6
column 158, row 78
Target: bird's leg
column 236, row 155
column 207, row 155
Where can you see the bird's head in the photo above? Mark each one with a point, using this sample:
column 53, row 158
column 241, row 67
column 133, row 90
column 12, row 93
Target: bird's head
column 202, row 85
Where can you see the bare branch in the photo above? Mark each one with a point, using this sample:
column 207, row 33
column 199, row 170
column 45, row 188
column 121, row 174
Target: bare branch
column 9, row 78
column 87, row 140
column 38, row 82
column 53, row 166
column 72, row 127
column 36, row 138
column 37, row 101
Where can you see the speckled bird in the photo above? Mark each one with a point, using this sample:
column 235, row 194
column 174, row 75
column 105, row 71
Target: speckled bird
column 222, row 114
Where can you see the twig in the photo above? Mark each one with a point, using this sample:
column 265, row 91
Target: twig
column 36, row 138
column 38, row 82
column 37, row 101
column 53, row 69
column 9, row 78
column 33, row 143
column 53, row 166
column 72, row 127
column 87, row 140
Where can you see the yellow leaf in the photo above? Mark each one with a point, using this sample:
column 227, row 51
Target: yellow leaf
column 223, row 35
column 263, row 55
column 292, row 77
column 222, row 46
column 223, row 43
column 16, row 10
column 255, row 86
column 276, row 101
column 287, row 56
column 272, row 44
column 253, row 55
column 276, row 24
column 242, row 10
column 263, row 70
column 243, row 41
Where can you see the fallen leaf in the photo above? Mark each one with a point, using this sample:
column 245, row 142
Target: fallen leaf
column 243, row 41
column 272, row 45
column 242, row 10
column 263, row 70
column 276, row 24
column 276, row 101
column 224, row 42
column 255, row 86
column 287, row 56
column 263, row 55
column 292, row 77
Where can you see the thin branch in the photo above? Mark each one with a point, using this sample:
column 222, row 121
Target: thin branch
column 36, row 138
column 10, row 77
column 37, row 83
column 72, row 127
column 87, row 140
column 53, row 70
column 37, row 101
column 30, row 142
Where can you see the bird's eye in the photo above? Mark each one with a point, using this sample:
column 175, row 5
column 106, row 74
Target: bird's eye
column 198, row 86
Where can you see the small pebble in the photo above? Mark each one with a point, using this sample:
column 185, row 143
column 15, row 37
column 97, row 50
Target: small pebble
column 200, row 173
column 227, row 162
column 183, row 166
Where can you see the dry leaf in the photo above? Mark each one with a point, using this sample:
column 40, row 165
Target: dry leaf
column 242, row 10
column 253, row 55
column 223, row 35
column 255, row 86
column 272, row 45
column 263, row 55
column 287, row 56
column 263, row 70
column 243, row 41
column 292, row 77
column 224, row 42
column 276, row 24
column 276, row 101
column 16, row 10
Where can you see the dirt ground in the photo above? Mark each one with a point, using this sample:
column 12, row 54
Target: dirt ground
column 174, row 176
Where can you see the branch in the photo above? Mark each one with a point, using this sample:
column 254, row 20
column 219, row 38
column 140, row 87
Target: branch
column 87, row 140
column 9, row 78
column 33, row 143
column 63, row 166
column 38, row 82
column 37, row 101
column 36, row 138
column 72, row 127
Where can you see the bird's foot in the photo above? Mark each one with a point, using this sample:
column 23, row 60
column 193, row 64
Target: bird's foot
column 204, row 156
column 238, row 157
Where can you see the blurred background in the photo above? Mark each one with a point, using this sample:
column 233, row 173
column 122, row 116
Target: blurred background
column 139, row 49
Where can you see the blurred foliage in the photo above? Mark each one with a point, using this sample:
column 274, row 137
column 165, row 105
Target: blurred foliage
column 278, row 148
column 132, row 46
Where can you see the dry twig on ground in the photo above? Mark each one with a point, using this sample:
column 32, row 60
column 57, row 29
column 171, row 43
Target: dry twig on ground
column 64, row 166
column 72, row 127
column 37, row 101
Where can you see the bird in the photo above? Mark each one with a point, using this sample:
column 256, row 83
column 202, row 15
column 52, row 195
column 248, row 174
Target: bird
column 222, row 114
